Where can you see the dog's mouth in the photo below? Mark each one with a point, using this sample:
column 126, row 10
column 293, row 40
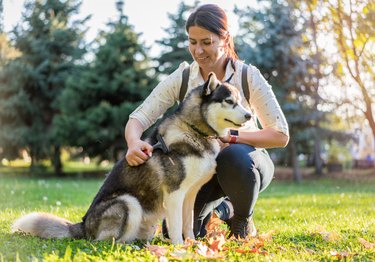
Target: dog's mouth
column 230, row 121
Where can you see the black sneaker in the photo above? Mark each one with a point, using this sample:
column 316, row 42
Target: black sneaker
column 241, row 227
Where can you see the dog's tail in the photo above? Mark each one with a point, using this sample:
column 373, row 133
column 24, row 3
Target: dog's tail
column 46, row 225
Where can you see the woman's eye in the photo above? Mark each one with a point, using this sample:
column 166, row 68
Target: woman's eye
column 207, row 43
column 229, row 101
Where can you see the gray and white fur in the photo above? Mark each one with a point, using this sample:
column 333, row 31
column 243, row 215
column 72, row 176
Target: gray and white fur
column 132, row 200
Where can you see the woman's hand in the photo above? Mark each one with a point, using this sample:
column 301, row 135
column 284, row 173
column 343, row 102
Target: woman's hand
column 138, row 152
column 226, row 138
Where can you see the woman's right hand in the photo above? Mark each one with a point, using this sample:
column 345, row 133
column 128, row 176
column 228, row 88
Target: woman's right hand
column 138, row 152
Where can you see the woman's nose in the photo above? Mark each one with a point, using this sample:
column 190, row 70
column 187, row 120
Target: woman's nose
column 199, row 49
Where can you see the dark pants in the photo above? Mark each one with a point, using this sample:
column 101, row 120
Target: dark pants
column 242, row 173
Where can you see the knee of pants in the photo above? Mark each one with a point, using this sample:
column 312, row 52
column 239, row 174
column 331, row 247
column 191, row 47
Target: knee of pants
column 234, row 158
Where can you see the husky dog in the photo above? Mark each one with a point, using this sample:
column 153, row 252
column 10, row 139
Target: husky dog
column 132, row 200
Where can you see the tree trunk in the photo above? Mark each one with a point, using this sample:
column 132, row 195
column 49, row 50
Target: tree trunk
column 297, row 177
column 317, row 158
column 57, row 165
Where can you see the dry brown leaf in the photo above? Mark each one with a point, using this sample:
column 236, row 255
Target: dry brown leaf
column 206, row 252
column 366, row 244
column 214, row 227
column 181, row 254
column 310, row 251
column 339, row 255
column 326, row 235
column 251, row 250
column 216, row 243
column 201, row 249
column 213, row 223
column 189, row 243
column 268, row 235
column 157, row 250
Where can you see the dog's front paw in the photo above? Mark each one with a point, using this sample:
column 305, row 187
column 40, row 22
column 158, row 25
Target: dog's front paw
column 189, row 234
column 178, row 241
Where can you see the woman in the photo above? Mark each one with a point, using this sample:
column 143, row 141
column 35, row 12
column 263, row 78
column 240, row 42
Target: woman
column 243, row 167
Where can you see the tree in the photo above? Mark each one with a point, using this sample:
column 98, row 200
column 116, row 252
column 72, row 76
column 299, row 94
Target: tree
column 7, row 51
column 175, row 46
column 1, row 16
column 100, row 96
column 270, row 39
column 314, row 17
column 50, row 42
column 353, row 26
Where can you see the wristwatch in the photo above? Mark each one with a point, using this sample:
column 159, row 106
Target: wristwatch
column 233, row 136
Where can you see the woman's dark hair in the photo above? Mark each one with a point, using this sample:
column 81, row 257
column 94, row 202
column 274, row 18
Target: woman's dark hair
column 214, row 19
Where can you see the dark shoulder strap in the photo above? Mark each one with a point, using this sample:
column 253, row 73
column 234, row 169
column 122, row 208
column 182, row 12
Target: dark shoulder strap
column 245, row 85
column 184, row 83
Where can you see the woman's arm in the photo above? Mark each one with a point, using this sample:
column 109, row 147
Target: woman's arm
column 275, row 131
column 161, row 98
column 265, row 138
column 138, row 150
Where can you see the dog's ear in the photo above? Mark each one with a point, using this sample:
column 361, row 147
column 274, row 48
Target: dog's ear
column 210, row 84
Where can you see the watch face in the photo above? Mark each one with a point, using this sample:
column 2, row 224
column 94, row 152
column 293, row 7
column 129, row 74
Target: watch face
column 233, row 132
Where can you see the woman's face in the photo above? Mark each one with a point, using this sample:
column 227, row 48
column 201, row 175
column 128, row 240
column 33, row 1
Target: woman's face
column 206, row 48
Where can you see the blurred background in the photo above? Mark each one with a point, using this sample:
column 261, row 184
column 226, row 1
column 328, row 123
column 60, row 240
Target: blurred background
column 72, row 71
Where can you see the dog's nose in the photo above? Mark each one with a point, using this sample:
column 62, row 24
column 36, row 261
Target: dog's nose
column 248, row 116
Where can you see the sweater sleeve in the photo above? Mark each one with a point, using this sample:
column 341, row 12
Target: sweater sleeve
column 264, row 102
column 162, row 97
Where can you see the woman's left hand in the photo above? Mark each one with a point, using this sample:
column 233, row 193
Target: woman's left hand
column 226, row 138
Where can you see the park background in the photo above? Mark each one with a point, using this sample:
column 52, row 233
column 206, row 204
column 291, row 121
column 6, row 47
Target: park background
column 69, row 80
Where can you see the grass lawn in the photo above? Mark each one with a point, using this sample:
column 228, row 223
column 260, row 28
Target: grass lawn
column 317, row 220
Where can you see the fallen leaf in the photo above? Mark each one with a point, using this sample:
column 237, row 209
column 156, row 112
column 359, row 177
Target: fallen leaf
column 216, row 243
column 213, row 223
column 331, row 236
column 366, row 244
column 157, row 250
column 252, row 250
column 189, row 243
column 214, row 227
column 201, row 249
column 163, row 259
column 181, row 254
column 310, row 251
column 267, row 236
column 205, row 251
column 328, row 236
column 339, row 255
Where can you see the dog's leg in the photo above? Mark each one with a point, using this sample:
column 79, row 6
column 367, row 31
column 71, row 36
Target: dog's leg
column 173, row 207
column 118, row 218
column 188, row 213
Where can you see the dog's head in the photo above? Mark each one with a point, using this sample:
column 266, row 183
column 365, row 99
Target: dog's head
column 222, row 103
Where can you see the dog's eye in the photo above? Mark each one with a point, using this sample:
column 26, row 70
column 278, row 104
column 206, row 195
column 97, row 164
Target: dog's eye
column 229, row 101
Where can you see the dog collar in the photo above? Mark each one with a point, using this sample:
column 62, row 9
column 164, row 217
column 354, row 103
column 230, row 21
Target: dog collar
column 200, row 132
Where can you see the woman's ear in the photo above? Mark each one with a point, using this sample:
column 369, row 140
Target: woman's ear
column 227, row 40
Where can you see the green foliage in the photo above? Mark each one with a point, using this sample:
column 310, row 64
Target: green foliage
column 272, row 38
column 100, row 96
column 1, row 16
column 7, row 51
column 338, row 154
column 49, row 41
column 311, row 220
column 175, row 46
column 352, row 25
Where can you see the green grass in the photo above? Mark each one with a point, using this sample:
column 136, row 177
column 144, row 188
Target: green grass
column 311, row 221
column 19, row 167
